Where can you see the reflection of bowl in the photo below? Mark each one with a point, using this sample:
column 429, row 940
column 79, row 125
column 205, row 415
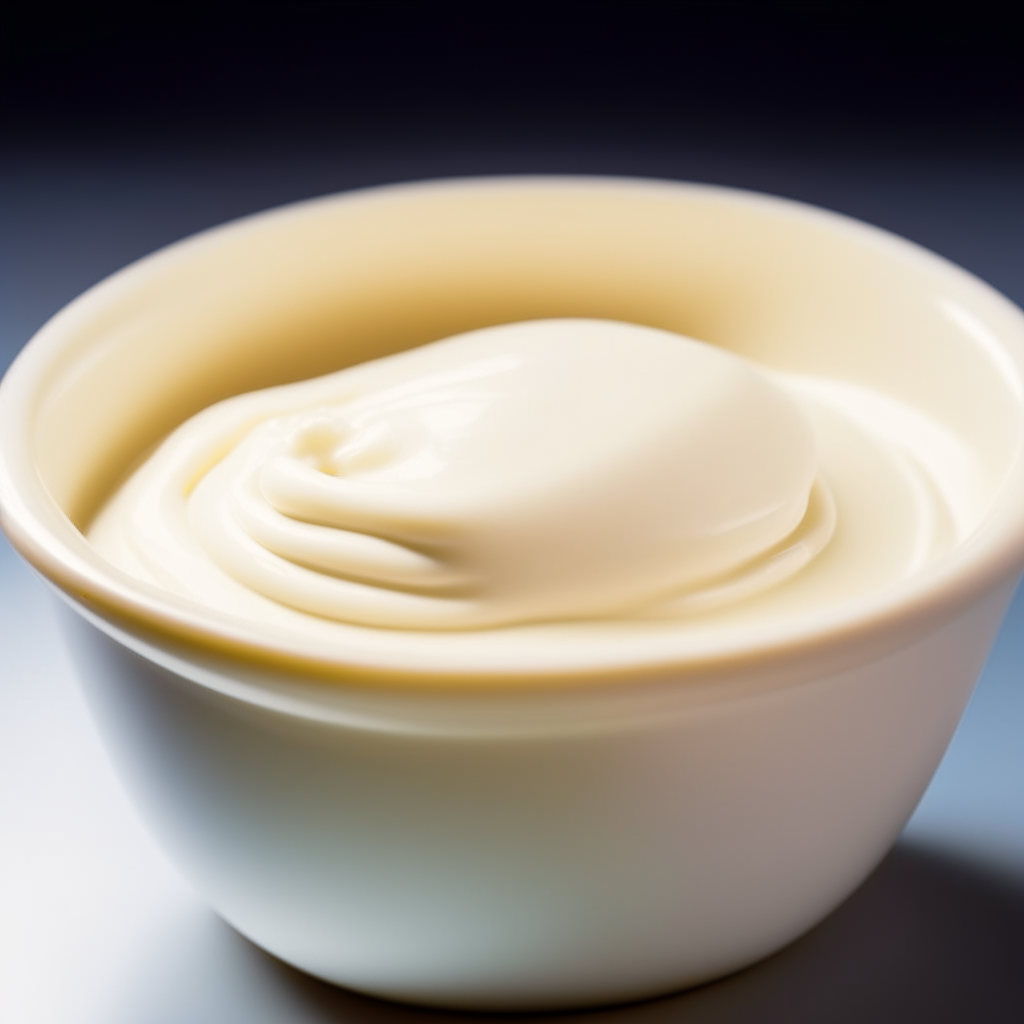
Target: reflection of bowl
column 518, row 827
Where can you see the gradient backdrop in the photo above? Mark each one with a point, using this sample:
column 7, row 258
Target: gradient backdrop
column 126, row 127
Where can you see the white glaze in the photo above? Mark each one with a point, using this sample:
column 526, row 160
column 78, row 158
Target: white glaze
column 635, row 805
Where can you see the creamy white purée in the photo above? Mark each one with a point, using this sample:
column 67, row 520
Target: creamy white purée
column 536, row 478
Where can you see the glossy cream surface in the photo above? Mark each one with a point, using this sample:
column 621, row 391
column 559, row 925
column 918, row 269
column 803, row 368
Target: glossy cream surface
column 549, row 472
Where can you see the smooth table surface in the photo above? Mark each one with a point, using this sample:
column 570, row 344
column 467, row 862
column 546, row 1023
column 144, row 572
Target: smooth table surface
column 97, row 928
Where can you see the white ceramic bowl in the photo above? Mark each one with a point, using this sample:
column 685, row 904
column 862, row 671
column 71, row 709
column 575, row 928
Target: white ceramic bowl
column 520, row 827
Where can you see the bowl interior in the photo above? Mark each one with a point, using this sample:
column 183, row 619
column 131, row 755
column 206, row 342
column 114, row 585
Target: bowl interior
column 325, row 284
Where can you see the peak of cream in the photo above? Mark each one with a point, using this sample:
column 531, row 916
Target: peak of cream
column 530, row 472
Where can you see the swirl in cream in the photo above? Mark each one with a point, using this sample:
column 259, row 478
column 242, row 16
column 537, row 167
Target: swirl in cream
column 539, row 471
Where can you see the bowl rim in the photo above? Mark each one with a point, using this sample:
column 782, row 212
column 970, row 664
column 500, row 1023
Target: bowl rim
column 44, row 535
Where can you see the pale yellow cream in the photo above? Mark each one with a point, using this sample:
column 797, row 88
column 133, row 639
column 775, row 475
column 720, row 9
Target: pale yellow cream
column 547, row 471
